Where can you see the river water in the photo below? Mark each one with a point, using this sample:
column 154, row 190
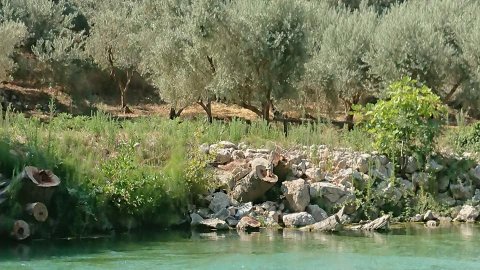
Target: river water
column 411, row 247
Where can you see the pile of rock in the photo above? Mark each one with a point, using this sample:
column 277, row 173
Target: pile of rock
column 315, row 188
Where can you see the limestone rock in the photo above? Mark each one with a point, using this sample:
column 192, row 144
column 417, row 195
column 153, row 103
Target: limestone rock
column 213, row 224
column 468, row 213
column 219, row 201
column 433, row 166
column 232, row 222
column 431, row 224
column 317, row 213
column 429, row 216
column 248, row 223
column 223, row 214
column 297, row 194
column 331, row 224
column 412, row 165
column 227, row 144
column 196, row 219
column 461, row 192
column 416, row 218
column 381, row 223
column 328, row 191
column 244, row 209
column 298, row 219
column 223, row 156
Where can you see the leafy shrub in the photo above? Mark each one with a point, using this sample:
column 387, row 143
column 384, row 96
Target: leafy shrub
column 468, row 138
column 407, row 122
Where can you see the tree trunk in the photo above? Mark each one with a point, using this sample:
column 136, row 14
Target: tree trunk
column 38, row 210
column 256, row 183
column 266, row 111
column 16, row 229
column 451, row 93
column 207, row 107
column 174, row 114
column 331, row 224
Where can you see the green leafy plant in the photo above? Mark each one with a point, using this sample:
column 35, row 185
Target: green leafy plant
column 407, row 122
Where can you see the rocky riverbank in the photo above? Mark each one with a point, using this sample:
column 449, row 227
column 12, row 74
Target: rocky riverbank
column 320, row 189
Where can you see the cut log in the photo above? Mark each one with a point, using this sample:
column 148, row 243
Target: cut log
column 379, row 224
column 37, row 185
column 16, row 229
column 332, row 224
column 38, row 210
column 253, row 186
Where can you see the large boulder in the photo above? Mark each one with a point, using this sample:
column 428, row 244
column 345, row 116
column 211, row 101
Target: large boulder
column 223, row 156
column 460, row 191
column 328, row 195
column 468, row 213
column 256, row 183
column 297, row 194
column 213, row 224
column 219, row 201
column 298, row 219
column 317, row 213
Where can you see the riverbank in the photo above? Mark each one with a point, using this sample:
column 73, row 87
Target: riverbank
column 116, row 175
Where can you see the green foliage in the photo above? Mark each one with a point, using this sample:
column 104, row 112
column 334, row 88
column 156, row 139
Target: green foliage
column 13, row 34
column 467, row 139
column 408, row 122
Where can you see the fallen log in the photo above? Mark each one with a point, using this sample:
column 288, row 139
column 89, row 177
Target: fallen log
column 16, row 229
column 332, row 224
column 38, row 210
column 253, row 186
column 379, row 224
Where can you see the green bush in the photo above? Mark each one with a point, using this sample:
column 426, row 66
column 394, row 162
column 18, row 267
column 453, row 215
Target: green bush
column 407, row 122
column 467, row 139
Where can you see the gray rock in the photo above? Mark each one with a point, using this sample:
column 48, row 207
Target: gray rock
column 205, row 148
column 223, row 156
column 433, row 166
column 446, row 199
column 204, row 212
column 298, row 219
column 315, row 174
column 475, row 172
column 219, row 201
column 244, row 209
column 328, row 191
column 238, row 154
column 196, row 219
column 416, row 218
column 297, row 194
column 420, row 179
column 468, row 213
column 412, row 165
column 362, row 164
column 317, row 213
column 232, row 222
column 429, row 216
column 461, row 192
column 214, row 224
column 444, row 219
column 476, row 197
column 223, row 214
column 269, row 206
column 226, row 144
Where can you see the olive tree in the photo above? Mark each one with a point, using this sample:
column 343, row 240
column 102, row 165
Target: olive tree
column 114, row 42
column 337, row 67
column 12, row 33
column 180, row 61
column 260, row 52
column 414, row 39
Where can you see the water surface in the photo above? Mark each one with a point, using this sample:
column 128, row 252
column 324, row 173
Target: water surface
column 412, row 247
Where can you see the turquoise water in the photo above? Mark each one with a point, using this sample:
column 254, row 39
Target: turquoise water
column 412, row 247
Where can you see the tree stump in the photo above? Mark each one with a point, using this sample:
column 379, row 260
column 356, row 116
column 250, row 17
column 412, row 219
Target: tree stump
column 16, row 229
column 256, row 183
column 37, row 185
column 38, row 210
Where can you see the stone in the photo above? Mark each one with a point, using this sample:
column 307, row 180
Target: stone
column 446, row 199
column 248, row 223
column 380, row 224
column 204, row 212
column 475, row 172
column 444, row 219
column 297, row 194
column 468, row 213
column 461, row 192
column 227, row 144
column 433, row 166
column 331, row 224
column 416, row 218
column 431, row 224
column 223, row 156
column 429, row 216
column 315, row 174
column 362, row 164
column 412, row 165
column 232, row 222
column 443, row 183
column 344, row 176
column 223, row 214
column 196, row 219
column 420, row 179
column 317, row 213
column 476, row 197
column 269, row 206
column 328, row 191
column 238, row 154
column 244, row 209
column 298, row 219
column 219, row 201
column 213, row 224
column 205, row 148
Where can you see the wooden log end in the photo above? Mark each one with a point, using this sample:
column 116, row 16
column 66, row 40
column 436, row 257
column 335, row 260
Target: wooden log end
column 21, row 230
column 38, row 210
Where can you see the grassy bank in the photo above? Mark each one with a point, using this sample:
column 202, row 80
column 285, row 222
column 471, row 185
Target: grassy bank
column 129, row 173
